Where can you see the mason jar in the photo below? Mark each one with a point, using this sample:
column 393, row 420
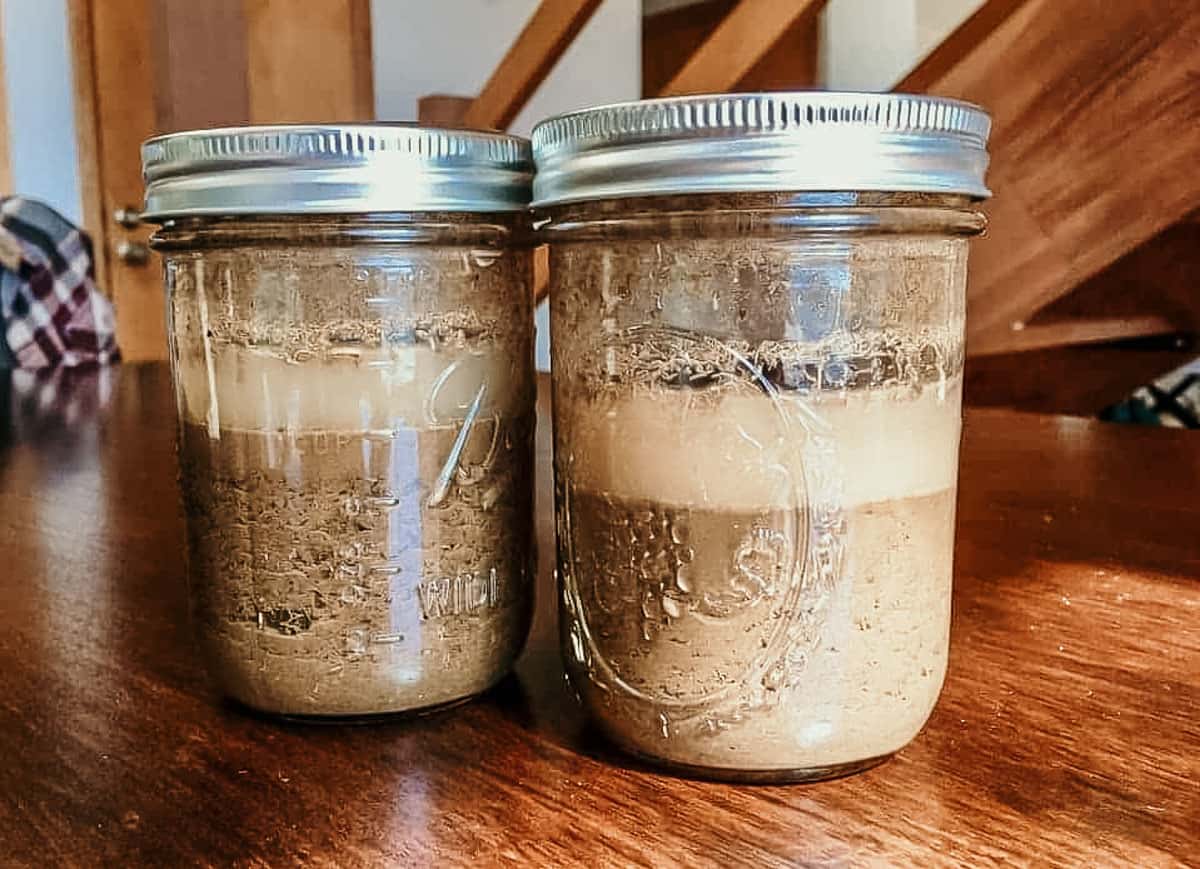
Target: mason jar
column 757, row 318
column 349, row 316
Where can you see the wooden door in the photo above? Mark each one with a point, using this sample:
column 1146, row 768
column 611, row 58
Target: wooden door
column 144, row 67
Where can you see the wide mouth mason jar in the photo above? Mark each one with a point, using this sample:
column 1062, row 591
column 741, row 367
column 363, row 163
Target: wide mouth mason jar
column 757, row 321
column 349, row 315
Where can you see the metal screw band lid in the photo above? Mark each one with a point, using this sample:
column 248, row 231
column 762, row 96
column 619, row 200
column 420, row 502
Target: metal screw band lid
column 336, row 169
column 811, row 141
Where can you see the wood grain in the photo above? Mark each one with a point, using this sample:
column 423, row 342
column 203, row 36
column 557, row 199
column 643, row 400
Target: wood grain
column 738, row 44
column 1080, row 380
column 957, row 47
column 547, row 34
column 793, row 62
column 442, row 110
column 1097, row 123
column 1078, row 330
column 200, row 59
column 143, row 67
column 361, row 59
column 1157, row 277
column 87, row 134
column 122, row 34
column 541, row 273
column 1068, row 731
column 670, row 38
column 309, row 61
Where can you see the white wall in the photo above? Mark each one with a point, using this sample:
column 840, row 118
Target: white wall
column 452, row 46
column 41, row 110
column 937, row 18
column 869, row 45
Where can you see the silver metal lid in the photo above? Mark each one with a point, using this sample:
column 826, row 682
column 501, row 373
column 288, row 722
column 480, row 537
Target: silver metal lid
column 811, row 141
column 336, row 169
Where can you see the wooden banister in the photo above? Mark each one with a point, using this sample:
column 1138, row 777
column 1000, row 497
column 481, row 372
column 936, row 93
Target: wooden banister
column 1093, row 145
column 285, row 81
column 551, row 28
column 740, row 41
column 1149, row 292
column 442, row 110
column 669, row 39
column 958, row 45
column 541, row 273
column 1091, row 330
column 1079, row 379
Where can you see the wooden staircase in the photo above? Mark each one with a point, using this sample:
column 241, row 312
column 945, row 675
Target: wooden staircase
column 1084, row 286
column 1096, row 107
column 1094, row 237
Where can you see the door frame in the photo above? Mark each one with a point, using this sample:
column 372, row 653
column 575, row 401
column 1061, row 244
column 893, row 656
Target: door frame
column 133, row 80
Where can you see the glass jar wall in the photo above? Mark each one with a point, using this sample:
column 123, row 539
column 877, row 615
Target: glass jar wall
column 757, row 406
column 356, row 405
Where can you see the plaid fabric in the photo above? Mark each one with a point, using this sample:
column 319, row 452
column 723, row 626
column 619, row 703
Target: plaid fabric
column 55, row 403
column 1173, row 401
column 52, row 314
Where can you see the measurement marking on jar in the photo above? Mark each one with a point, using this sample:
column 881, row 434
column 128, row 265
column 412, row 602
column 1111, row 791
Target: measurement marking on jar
column 458, row 595
column 390, row 566
column 441, row 488
column 354, row 505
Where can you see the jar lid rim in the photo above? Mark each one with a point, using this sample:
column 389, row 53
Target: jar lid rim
column 334, row 169
column 794, row 141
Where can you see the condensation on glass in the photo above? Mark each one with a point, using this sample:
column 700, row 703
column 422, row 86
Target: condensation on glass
column 757, row 320
column 351, row 341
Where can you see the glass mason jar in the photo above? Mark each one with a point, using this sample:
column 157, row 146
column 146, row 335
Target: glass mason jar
column 349, row 315
column 757, row 320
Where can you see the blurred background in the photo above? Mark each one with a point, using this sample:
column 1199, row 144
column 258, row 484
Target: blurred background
column 1082, row 296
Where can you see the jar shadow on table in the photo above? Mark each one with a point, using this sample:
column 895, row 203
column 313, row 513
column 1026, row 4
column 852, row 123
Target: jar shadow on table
column 595, row 745
column 508, row 695
column 551, row 710
column 539, row 699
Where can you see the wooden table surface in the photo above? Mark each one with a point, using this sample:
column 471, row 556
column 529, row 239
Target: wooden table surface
column 1068, row 731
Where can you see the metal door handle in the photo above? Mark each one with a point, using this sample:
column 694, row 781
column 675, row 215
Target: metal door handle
column 128, row 216
column 133, row 253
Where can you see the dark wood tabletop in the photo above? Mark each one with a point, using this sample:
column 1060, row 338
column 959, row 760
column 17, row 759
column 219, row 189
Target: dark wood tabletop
column 1068, row 731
